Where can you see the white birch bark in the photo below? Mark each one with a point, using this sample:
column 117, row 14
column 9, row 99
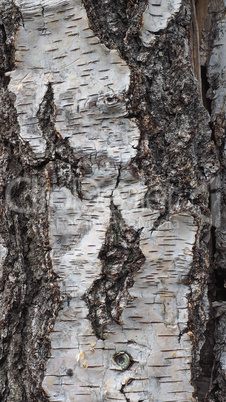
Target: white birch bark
column 55, row 45
column 147, row 321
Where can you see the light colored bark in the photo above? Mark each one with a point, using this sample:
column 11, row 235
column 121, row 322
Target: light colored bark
column 59, row 59
column 156, row 17
column 55, row 45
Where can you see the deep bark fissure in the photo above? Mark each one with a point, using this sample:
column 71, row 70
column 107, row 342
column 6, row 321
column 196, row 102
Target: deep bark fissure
column 207, row 358
column 58, row 150
column 121, row 258
column 205, row 87
column 211, row 383
column 218, row 294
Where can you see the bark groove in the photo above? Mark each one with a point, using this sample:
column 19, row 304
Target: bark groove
column 121, row 258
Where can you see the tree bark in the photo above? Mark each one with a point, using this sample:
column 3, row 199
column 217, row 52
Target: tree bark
column 112, row 254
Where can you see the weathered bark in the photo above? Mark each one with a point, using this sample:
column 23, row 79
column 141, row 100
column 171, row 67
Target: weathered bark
column 112, row 150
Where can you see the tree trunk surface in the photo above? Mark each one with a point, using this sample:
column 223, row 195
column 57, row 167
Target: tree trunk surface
column 113, row 196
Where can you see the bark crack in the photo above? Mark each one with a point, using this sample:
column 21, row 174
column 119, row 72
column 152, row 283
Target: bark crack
column 121, row 258
column 122, row 390
column 211, row 383
column 58, row 150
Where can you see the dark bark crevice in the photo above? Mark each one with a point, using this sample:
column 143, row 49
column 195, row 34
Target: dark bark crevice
column 215, row 340
column 60, row 156
column 217, row 291
column 121, row 258
column 207, row 358
column 122, row 390
column 205, row 88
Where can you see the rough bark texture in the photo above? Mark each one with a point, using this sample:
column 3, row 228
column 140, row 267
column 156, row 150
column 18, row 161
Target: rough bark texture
column 112, row 162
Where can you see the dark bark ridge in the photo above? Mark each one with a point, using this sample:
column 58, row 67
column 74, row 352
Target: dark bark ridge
column 29, row 291
column 211, row 381
column 121, row 258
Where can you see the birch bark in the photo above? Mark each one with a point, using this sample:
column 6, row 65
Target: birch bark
column 112, row 269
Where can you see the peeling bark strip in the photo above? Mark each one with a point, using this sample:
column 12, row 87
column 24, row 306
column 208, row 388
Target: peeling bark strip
column 106, row 160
